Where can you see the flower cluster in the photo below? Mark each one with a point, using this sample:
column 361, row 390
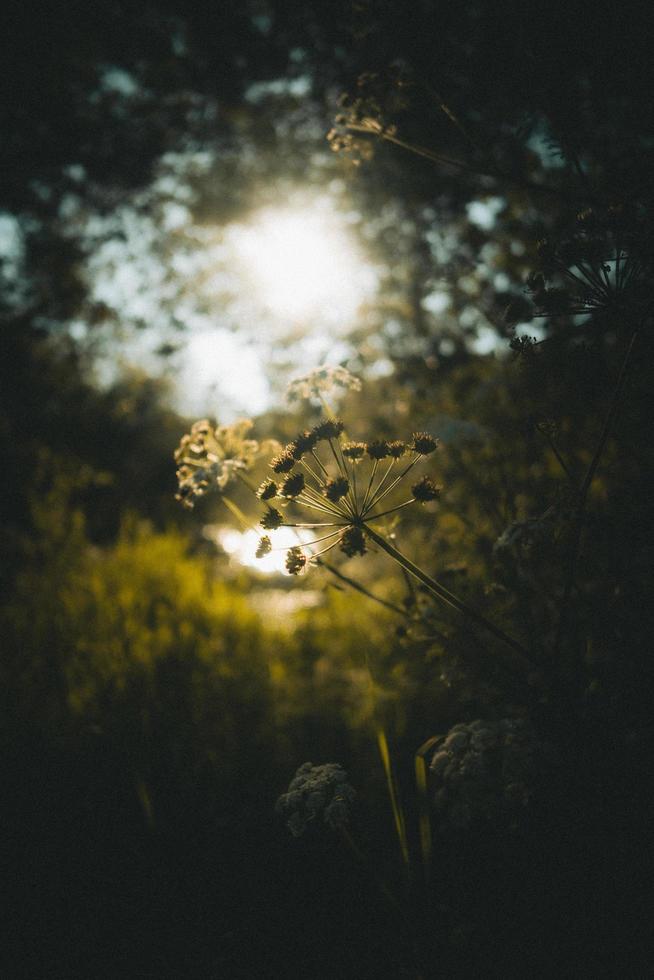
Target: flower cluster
column 483, row 769
column 209, row 458
column 368, row 112
column 599, row 266
column 341, row 486
column 318, row 382
column 316, row 790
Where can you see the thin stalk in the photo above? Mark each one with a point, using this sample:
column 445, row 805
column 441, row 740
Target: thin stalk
column 444, row 594
column 362, row 589
column 352, row 491
column 309, row 498
column 307, row 544
column 391, row 784
column 319, row 553
column 309, row 470
column 239, row 515
column 397, row 479
column 311, row 506
column 422, row 151
column 583, row 494
column 375, row 517
column 370, row 482
column 557, row 454
column 380, row 485
column 314, row 525
column 408, row 938
column 354, row 480
column 424, row 806
column 340, row 463
column 320, row 463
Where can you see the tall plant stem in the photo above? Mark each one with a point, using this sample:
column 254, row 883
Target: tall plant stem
column 361, row 588
column 444, row 594
column 577, row 526
column 402, row 919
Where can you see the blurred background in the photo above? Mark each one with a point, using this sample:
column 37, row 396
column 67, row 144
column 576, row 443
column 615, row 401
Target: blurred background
column 200, row 203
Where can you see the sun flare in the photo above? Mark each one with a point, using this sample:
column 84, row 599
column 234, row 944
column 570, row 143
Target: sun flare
column 242, row 545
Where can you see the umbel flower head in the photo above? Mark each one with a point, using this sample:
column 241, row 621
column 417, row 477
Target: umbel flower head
column 317, row 383
column 600, row 265
column 483, row 769
column 316, row 790
column 341, row 488
column 210, row 458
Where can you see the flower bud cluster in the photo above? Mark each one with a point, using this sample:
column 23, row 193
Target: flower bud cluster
column 321, row 381
column 315, row 791
column 483, row 769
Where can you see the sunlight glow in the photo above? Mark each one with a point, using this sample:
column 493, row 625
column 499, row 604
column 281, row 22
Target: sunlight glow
column 304, row 264
column 241, row 547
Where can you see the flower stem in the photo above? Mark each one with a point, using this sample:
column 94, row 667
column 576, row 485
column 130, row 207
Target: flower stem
column 444, row 594
column 583, row 494
column 360, row 588
column 384, row 513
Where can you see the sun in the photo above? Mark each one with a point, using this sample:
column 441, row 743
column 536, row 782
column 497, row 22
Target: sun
column 242, row 545
column 304, row 265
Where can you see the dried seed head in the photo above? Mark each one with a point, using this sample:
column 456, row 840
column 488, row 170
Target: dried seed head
column 336, row 488
column 354, row 450
column 328, row 429
column 353, row 542
column 303, row 443
column 425, row 490
column 396, row 448
column 264, row 547
column 267, row 490
column 283, row 463
column 271, row 520
column 424, row 443
column 378, row 449
column 295, row 561
column 293, row 485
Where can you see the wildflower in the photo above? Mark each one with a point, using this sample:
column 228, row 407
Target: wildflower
column 320, row 381
column 283, row 462
column 598, row 265
column 264, row 547
column 337, row 488
column 354, row 450
column 424, row 443
column 271, row 520
column 483, row 769
column 267, row 490
column 316, row 790
column 353, row 542
column 302, row 444
column 295, row 561
column 341, row 505
column 425, row 490
column 396, row 448
column 328, row 429
column 210, row 458
column 378, row 449
column 293, row 485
